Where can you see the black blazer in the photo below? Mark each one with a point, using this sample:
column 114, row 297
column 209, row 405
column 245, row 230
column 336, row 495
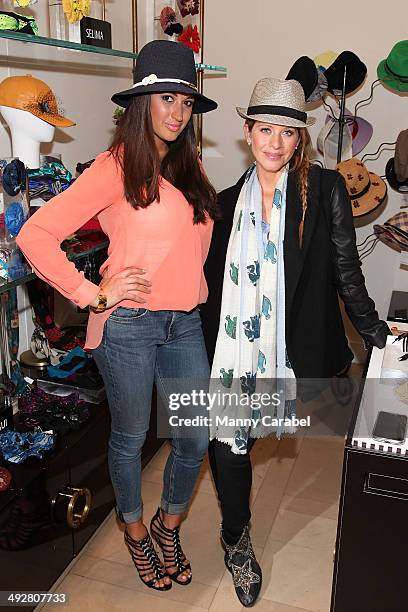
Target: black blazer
column 327, row 266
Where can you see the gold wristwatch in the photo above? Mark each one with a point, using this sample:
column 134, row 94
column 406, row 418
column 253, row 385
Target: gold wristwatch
column 102, row 303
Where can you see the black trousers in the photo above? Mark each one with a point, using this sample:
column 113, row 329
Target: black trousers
column 233, row 480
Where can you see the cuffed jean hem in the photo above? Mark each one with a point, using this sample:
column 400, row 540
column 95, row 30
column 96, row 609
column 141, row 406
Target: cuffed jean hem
column 130, row 517
column 173, row 508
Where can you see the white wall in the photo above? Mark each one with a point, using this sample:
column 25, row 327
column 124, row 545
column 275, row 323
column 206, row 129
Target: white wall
column 263, row 38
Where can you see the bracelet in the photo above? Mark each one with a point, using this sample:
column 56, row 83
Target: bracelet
column 102, row 303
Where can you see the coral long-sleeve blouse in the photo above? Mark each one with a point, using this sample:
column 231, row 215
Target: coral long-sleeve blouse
column 161, row 239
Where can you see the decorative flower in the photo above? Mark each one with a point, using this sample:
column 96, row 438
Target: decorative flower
column 23, row 3
column 190, row 38
column 149, row 80
column 76, row 9
column 188, row 7
column 168, row 22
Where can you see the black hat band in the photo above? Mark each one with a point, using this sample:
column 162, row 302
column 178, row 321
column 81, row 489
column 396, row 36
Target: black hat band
column 404, row 79
column 152, row 79
column 284, row 111
column 366, row 189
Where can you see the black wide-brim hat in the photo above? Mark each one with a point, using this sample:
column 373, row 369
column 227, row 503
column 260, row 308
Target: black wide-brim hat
column 163, row 65
column 394, row 183
column 355, row 74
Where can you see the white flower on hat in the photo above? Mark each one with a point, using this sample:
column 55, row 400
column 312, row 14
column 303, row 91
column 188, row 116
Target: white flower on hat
column 149, row 80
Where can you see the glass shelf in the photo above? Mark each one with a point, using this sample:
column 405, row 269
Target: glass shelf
column 66, row 44
column 83, row 251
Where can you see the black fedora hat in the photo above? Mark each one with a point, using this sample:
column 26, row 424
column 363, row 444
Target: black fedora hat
column 356, row 72
column 304, row 71
column 394, row 183
column 163, row 65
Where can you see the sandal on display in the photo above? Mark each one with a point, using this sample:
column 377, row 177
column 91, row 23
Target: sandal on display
column 245, row 570
column 147, row 562
column 175, row 560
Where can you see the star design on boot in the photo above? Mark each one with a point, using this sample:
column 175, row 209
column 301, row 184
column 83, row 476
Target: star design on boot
column 244, row 577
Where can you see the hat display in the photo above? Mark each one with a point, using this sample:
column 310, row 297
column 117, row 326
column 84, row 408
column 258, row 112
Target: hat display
column 394, row 183
column 304, row 71
column 393, row 71
column 366, row 189
column 355, row 75
column 14, row 22
column 328, row 143
column 394, row 231
column 325, row 59
column 169, row 23
column 34, row 96
column 164, row 65
column 360, row 131
column 401, row 156
column 320, row 89
column 279, row 102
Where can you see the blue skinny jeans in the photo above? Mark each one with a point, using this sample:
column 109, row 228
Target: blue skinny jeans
column 140, row 347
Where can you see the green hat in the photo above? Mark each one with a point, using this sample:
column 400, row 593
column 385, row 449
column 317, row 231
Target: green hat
column 393, row 71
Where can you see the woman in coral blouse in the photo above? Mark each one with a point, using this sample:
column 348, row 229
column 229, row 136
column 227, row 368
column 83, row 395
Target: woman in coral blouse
column 157, row 208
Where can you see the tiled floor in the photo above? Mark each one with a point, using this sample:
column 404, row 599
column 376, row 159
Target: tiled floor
column 294, row 508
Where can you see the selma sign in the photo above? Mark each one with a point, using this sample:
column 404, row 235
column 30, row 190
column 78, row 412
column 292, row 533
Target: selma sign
column 96, row 32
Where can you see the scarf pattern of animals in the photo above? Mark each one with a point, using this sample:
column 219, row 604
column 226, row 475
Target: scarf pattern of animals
column 250, row 354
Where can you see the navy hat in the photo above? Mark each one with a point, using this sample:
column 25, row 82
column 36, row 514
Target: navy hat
column 356, row 72
column 163, row 65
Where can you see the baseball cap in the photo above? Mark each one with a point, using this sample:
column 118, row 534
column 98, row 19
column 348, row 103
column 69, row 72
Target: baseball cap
column 34, row 96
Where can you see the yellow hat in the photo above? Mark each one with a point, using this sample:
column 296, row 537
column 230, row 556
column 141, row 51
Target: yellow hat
column 325, row 59
column 34, row 96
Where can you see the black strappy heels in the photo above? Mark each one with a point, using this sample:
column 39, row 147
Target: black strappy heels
column 146, row 561
column 173, row 555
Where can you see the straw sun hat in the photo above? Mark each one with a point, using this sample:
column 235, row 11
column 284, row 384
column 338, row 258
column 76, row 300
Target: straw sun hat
column 366, row 189
column 278, row 102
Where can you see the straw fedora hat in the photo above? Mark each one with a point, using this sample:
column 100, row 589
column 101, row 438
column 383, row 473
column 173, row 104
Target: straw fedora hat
column 279, row 102
column 366, row 189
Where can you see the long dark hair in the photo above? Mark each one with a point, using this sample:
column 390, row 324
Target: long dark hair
column 133, row 147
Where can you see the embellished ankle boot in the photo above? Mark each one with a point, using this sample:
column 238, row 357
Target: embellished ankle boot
column 246, row 573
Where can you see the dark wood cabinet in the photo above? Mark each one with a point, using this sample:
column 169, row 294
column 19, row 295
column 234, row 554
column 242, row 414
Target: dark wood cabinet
column 36, row 505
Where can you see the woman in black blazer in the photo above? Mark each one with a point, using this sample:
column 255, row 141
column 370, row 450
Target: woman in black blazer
column 320, row 261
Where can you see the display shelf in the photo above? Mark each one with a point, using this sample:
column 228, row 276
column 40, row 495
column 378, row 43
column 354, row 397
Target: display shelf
column 66, row 44
column 72, row 256
column 385, row 376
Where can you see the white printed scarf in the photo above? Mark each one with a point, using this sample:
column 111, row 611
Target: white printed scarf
column 250, row 355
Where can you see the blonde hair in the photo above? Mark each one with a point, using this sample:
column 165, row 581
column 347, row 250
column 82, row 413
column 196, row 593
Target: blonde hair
column 300, row 163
